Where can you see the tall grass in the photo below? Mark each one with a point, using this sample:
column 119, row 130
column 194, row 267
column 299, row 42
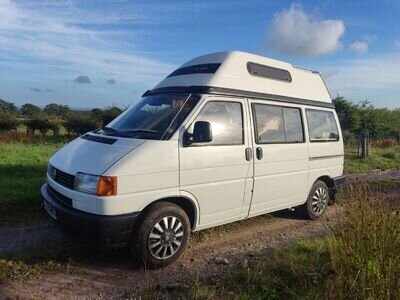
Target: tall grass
column 358, row 259
column 365, row 250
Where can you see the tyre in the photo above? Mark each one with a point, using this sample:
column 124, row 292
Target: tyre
column 317, row 201
column 162, row 235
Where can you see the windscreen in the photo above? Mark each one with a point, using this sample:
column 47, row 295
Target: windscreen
column 153, row 117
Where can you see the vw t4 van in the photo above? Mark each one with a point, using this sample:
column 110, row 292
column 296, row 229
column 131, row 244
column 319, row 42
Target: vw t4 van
column 226, row 136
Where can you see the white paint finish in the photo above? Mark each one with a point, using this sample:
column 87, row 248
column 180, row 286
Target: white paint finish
column 233, row 74
column 152, row 157
column 326, row 158
column 128, row 203
column 216, row 175
column 91, row 157
column 281, row 176
column 147, row 174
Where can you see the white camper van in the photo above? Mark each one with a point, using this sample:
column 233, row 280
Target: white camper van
column 226, row 136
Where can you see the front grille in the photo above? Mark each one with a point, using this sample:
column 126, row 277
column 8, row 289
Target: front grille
column 59, row 197
column 61, row 177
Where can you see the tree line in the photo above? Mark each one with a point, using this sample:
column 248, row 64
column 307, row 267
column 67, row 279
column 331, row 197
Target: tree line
column 52, row 117
column 363, row 119
column 355, row 119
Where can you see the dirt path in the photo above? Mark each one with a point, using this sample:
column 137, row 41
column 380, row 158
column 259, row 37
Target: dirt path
column 23, row 237
column 211, row 255
column 111, row 277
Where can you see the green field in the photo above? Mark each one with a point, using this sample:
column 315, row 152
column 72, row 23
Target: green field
column 22, row 171
column 383, row 159
column 23, row 168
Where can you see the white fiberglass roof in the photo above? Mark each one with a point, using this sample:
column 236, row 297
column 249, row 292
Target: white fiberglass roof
column 233, row 73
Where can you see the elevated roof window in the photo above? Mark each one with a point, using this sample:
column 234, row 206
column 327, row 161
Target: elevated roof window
column 196, row 69
column 268, row 72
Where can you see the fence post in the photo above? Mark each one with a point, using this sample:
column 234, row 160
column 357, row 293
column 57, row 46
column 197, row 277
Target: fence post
column 364, row 141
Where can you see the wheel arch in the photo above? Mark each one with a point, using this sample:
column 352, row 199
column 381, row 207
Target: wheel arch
column 189, row 206
column 329, row 183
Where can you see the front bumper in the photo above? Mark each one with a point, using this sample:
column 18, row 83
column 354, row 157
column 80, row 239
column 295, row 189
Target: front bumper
column 95, row 230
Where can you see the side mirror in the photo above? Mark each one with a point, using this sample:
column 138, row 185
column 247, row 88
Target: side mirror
column 202, row 133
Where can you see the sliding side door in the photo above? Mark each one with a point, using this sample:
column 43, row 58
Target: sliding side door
column 280, row 157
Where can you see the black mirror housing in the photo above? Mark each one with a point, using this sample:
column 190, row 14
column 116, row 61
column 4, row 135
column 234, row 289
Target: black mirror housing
column 202, row 132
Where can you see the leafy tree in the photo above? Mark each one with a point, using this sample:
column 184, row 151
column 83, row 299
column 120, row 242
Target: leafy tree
column 8, row 121
column 59, row 110
column 110, row 114
column 78, row 124
column 7, row 107
column 42, row 124
column 347, row 113
column 369, row 119
column 30, row 110
column 96, row 113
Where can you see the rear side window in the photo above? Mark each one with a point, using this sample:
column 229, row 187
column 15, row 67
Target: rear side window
column 276, row 124
column 322, row 126
column 226, row 119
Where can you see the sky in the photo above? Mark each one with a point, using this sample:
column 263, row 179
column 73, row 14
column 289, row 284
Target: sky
column 90, row 53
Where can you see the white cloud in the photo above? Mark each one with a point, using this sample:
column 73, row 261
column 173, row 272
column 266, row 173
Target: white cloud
column 73, row 37
column 364, row 78
column 359, row 47
column 293, row 31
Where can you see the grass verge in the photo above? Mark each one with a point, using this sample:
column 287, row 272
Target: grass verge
column 383, row 159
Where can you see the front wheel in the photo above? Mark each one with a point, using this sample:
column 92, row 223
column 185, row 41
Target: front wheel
column 317, row 201
column 162, row 235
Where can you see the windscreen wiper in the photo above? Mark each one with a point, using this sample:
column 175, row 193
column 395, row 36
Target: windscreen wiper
column 135, row 131
column 109, row 130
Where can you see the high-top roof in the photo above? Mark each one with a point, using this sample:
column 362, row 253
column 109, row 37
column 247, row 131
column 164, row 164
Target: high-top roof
column 248, row 72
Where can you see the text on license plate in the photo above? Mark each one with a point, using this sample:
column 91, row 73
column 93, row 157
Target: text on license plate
column 50, row 209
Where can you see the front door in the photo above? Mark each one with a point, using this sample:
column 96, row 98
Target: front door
column 218, row 173
column 280, row 157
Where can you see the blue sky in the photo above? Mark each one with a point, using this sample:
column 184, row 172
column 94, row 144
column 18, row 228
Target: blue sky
column 100, row 53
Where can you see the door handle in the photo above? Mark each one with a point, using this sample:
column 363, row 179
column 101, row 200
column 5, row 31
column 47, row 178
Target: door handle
column 249, row 154
column 259, row 153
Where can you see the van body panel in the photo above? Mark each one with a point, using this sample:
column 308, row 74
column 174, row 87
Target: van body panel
column 148, row 174
column 282, row 164
column 216, row 174
column 325, row 158
column 91, row 157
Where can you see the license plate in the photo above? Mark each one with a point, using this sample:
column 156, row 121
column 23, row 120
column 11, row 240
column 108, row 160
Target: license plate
column 50, row 210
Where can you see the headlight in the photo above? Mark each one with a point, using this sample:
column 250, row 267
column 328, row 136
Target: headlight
column 86, row 183
column 98, row 185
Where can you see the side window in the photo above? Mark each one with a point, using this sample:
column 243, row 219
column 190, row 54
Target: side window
column 226, row 119
column 269, row 124
column 293, row 125
column 322, row 126
column 276, row 124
